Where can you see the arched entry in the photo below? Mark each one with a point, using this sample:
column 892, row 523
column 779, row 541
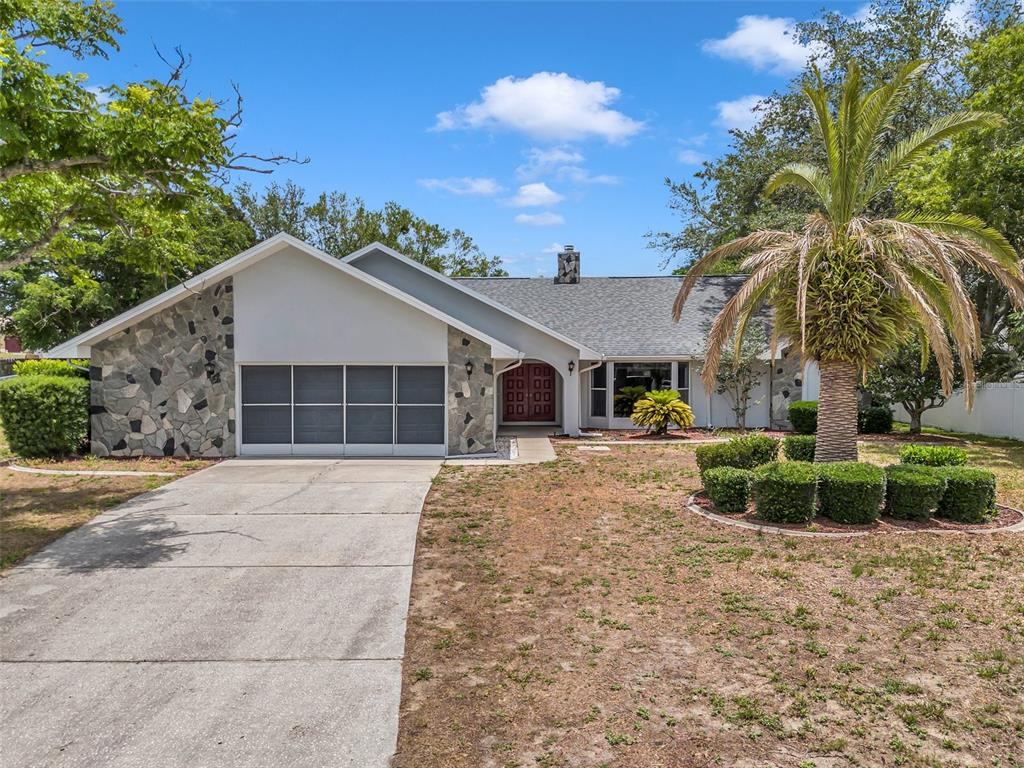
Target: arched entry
column 529, row 394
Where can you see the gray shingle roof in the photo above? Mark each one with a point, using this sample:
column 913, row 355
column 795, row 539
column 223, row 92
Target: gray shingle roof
column 625, row 316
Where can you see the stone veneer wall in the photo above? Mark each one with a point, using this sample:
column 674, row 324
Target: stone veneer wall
column 470, row 397
column 166, row 386
column 787, row 386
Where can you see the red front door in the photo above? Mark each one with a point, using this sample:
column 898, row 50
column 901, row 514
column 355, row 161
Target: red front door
column 529, row 393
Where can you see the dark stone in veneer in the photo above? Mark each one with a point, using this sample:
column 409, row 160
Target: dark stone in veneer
column 213, row 377
column 785, row 393
column 465, row 341
column 469, row 418
column 129, row 378
column 471, row 442
column 488, row 369
column 135, row 425
column 228, row 320
column 231, row 426
column 211, row 355
column 200, row 404
column 120, row 445
column 186, row 449
column 192, row 327
column 204, row 338
column 95, row 373
column 169, row 447
column 156, row 375
column 161, row 405
column 97, row 409
column 229, row 288
column 458, row 395
column 218, row 442
column 216, row 311
column 229, row 341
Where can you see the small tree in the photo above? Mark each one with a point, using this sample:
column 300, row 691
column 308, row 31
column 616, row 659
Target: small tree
column 902, row 379
column 737, row 374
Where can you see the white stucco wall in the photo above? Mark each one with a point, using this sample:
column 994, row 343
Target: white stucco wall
column 291, row 308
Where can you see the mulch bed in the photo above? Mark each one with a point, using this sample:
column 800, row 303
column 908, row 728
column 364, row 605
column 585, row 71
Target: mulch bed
column 679, row 435
column 1005, row 517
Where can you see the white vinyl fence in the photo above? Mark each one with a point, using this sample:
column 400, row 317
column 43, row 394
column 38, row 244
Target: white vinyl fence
column 998, row 412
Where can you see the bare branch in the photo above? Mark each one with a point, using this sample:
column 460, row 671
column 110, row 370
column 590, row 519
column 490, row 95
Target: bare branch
column 63, row 221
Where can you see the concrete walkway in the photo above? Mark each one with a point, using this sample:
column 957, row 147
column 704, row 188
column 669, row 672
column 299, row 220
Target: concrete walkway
column 252, row 614
column 532, row 446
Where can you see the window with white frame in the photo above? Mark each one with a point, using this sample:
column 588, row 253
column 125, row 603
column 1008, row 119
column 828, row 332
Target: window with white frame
column 683, row 381
column 599, row 391
column 633, row 380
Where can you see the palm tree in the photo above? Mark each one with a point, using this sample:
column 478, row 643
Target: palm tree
column 849, row 287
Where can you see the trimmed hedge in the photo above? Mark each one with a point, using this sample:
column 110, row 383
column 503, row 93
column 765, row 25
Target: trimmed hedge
column 799, row 447
column 851, row 492
column 970, row 495
column 44, row 415
column 874, row 420
column 786, row 492
column 913, row 492
column 49, row 368
column 803, row 415
column 744, row 452
column 729, row 488
column 933, row 455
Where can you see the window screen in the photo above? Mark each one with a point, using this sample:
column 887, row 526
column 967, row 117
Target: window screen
column 421, row 424
column 421, row 384
column 266, row 384
column 370, row 423
column 370, row 384
column 266, row 424
column 319, row 424
column 320, row 384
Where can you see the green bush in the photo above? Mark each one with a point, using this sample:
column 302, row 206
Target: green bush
column 786, row 492
column 625, row 399
column 799, row 447
column 913, row 492
column 874, row 420
column 44, row 415
column 970, row 495
column 51, row 368
column 656, row 409
column 744, row 452
column 933, row 455
column 851, row 492
column 729, row 488
column 803, row 415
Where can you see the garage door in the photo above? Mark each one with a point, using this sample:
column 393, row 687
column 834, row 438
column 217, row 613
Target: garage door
column 356, row 410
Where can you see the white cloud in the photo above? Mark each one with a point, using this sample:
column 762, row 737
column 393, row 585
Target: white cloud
column 547, row 105
column 553, row 248
column 560, row 163
column 546, row 219
column 766, row 42
column 739, row 113
column 961, row 16
column 690, row 157
column 464, row 185
column 536, row 194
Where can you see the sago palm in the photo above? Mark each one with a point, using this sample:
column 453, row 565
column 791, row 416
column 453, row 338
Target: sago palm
column 848, row 288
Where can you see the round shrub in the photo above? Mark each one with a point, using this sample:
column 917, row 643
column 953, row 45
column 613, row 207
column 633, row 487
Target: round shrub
column 803, row 415
column 786, row 492
column 912, row 492
column 874, row 420
column 729, row 488
column 761, row 449
column 799, row 447
column 970, row 495
column 851, row 492
column 933, row 455
column 718, row 455
column 50, row 368
column 44, row 415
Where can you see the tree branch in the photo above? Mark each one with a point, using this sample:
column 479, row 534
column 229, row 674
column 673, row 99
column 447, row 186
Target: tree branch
column 46, row 166
column 61, row 222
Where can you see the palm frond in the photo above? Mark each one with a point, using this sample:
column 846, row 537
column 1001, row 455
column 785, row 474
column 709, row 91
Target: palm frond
column 803, row 175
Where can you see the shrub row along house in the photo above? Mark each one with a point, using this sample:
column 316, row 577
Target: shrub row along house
column 284, row 349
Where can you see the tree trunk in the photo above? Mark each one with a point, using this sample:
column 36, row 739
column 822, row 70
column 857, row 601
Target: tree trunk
column 915, row 422
column 837, row 413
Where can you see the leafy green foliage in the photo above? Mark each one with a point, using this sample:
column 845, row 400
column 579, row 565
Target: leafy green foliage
column 901, row 378
column 786, row 492
column 339, row 224
column 52, row 368
column 625, row 399
column 851, row 492
column 912, row 492
column 728, row 488
column 874, row 420
column 657, row 409
column 740, row 370
column 799, row 447
column 803, row 415
column 933, row 455
column 744, row 452
column 44, row 415
column 970, row 495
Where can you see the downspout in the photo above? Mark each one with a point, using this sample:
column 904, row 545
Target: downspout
column 579, row 416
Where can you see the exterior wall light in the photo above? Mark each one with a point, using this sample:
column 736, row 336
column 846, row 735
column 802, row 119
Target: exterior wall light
column 469, row 367
column 572, row 366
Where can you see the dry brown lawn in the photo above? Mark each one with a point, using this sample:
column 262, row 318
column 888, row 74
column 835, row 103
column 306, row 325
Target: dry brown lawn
column 574, row 614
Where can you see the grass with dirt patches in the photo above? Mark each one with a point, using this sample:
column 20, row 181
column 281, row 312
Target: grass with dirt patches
column 573, row 614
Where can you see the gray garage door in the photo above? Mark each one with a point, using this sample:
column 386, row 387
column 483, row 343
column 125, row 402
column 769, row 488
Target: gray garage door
column 368, row 410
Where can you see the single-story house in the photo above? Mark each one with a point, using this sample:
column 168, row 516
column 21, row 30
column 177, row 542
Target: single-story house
column 284, row 349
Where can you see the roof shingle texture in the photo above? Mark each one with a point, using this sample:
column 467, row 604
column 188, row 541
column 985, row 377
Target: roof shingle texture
column 617, row 316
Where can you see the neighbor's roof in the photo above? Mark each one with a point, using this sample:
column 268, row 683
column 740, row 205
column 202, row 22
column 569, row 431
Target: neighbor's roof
column 617, row 316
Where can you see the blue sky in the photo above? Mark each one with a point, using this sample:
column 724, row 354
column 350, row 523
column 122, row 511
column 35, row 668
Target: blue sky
column 527, row 125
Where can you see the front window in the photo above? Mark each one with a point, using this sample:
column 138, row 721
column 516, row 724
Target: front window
column 599, row 391
column 633, row 380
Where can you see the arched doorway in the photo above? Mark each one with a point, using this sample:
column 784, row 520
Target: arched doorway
column 529, row 394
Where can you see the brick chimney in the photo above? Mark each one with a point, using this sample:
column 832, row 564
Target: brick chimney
column 568, row 266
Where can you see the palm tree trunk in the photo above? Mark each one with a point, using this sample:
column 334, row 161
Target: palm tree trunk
column 837, row 413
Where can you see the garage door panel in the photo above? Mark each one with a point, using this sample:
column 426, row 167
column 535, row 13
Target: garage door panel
column 421, row 384
column 421, row 424
column 266, row 424
column 319, row 424
column 370, row 424
column 320, row 384
column 370, row 384
column 267, row 384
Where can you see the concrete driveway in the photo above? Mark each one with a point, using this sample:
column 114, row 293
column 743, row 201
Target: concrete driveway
column 252, row 614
